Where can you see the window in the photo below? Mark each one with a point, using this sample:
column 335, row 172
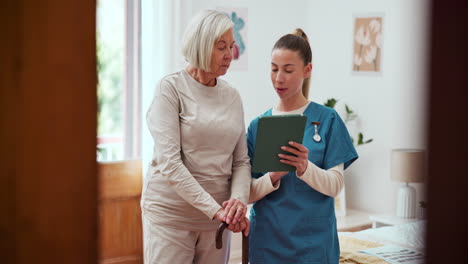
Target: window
column 118, row 53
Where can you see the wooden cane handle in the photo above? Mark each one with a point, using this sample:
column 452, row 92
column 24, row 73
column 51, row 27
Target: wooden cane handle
column 245, row 249
column 245, row 242
column 219, row 235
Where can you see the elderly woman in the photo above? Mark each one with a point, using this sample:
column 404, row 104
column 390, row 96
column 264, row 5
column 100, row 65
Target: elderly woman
column 200, row 155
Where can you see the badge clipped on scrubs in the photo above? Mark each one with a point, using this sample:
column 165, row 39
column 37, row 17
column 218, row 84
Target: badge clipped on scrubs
column 316, row 136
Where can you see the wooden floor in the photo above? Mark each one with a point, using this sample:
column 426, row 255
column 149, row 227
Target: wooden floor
column 236, row 260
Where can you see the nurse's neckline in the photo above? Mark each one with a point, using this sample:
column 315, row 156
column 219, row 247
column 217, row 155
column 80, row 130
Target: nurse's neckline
column 277, row 107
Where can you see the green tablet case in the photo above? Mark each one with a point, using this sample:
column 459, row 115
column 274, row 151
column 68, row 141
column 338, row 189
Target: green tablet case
column 272, row 133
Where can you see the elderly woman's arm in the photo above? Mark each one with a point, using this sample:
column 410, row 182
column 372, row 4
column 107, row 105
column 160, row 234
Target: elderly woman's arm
column 240, row 184
column 163, row 123
column 240, row 180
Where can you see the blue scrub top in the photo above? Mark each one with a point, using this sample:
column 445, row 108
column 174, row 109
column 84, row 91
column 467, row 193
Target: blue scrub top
column 297, row 224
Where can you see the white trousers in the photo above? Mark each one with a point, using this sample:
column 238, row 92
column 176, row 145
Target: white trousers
column 166, row 245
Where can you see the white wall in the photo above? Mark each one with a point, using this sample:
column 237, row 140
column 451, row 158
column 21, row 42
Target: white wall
column 391, row 107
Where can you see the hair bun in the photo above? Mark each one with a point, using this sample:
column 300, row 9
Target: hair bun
column 299, row 32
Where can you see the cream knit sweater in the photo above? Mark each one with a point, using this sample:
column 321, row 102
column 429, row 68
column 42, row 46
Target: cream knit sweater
column 200, row 153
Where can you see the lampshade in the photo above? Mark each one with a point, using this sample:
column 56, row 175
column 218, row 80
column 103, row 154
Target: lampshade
column 408, row 165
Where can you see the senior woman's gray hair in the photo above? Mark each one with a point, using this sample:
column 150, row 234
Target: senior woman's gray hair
column 200, row 36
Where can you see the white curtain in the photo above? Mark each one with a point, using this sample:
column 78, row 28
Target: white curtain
column 163, row 23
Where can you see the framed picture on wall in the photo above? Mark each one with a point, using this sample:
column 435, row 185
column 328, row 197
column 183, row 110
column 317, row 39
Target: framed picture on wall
column 367, row 44
column 340, row 203
column 239, row 16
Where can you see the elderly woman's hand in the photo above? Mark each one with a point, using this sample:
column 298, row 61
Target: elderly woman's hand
column 235, row 211
column 243, row 225
column 299, row 161
column 220, row 215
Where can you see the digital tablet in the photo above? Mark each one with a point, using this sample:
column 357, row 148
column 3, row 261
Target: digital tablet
column 272, row 133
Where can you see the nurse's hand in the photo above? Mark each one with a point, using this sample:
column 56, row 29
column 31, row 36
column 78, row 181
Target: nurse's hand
column 235, row 211
column 276, row 176
column 302, row 159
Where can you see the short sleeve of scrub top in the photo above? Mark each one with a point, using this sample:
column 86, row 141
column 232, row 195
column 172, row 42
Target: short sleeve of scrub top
column 340, row 148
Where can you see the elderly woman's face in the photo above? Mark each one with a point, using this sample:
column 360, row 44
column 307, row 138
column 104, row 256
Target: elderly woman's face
column 221, row 55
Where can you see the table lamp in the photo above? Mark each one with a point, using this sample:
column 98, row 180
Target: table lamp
column 408, row 165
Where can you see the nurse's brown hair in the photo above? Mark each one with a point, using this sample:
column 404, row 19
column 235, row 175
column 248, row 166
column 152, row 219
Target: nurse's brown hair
column 297, row 41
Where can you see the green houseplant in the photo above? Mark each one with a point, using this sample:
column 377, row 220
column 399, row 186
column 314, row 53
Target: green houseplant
column 350, row 115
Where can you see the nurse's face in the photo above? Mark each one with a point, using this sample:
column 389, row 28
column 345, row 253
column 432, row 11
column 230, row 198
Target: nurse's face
column 288, row 73
column 221, row 55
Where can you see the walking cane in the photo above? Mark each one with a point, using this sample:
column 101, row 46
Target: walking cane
column 245, row 242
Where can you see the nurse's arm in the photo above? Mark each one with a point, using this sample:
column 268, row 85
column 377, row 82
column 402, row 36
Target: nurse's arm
column 264, row 185
column 329, row 182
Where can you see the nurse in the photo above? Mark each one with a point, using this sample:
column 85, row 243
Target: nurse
column 293, row 218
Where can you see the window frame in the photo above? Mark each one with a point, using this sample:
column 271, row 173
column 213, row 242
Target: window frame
column 130, row 139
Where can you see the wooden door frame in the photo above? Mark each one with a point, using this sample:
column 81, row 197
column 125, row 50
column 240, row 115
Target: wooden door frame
column 48, row 183
column 447, row 133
